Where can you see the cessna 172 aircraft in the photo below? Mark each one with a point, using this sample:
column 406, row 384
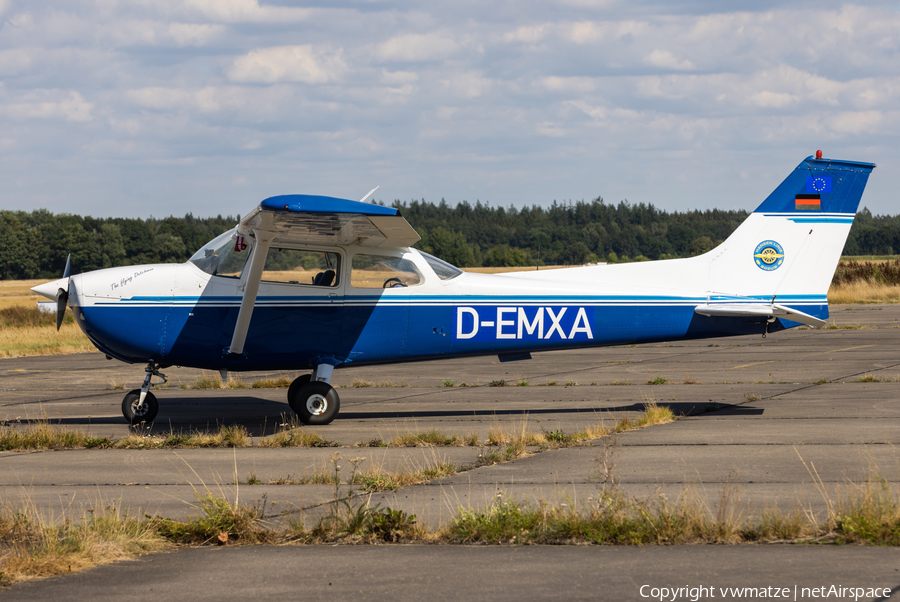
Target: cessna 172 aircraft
column 313, row 282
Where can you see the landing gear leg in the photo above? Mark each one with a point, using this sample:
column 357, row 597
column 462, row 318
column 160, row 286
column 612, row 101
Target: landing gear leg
column 313, row 399
column 140, row 405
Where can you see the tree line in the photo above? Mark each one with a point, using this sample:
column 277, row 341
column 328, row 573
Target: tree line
column 36, row 244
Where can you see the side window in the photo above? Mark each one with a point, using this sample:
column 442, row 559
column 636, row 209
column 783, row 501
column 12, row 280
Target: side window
column 291, row 266
column 381, row 271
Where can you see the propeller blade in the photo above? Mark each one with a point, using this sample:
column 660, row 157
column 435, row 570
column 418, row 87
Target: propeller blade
column 62, row 300
column 68, row 270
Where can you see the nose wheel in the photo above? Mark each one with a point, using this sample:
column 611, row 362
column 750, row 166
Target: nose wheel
column 140, row 405
column 136, row 412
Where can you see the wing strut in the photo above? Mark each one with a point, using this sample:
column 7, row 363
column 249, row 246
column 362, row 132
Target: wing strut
column 251, row 288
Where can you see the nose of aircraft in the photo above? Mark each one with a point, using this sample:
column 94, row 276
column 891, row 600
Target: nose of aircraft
column 50, row 289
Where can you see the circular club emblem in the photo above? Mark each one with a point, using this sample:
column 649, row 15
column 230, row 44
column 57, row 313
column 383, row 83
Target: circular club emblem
column 768, row 255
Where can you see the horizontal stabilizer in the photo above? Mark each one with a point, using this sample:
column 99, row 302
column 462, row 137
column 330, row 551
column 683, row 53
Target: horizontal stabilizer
column 760, row 310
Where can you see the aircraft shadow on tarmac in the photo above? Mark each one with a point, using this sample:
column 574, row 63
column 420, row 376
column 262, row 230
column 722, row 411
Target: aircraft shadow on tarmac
column 263, row 417
column 680, row 409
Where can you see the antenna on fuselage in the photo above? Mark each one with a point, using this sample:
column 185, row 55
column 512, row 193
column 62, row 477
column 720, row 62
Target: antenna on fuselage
column 368, row 195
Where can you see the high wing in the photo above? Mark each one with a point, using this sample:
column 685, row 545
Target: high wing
column 322, row 220
column 305, row 219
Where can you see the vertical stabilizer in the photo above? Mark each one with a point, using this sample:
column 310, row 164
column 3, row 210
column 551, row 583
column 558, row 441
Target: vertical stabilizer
column 787, row 250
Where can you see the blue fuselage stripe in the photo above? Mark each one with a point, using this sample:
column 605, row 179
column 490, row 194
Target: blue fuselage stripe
column 299, row 332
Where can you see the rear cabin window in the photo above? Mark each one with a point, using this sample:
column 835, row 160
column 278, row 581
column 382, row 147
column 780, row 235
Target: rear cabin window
column 382, row 271
column 441, row 268
column 311, row 268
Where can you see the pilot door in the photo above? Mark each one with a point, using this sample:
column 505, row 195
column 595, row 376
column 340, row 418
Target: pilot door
column 298, row 311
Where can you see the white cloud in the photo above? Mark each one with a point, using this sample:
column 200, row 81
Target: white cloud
column 49, row 104
column 529, row 34
column 469, row 85
column 303, row 64
column 666, row 60
column 776, row 100
column 569, row 84
column 399, row 77
column 857, row 122
column 192, row 34
column 232, row 11
column 569, row 95
column 416, row 47
column 14, row 60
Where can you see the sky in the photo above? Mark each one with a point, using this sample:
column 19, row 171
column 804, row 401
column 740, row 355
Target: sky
column 165, row 107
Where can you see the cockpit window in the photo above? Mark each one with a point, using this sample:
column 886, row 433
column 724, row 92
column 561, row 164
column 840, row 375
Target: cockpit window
column 444, row 270
column 223, row 256
column 292, row 266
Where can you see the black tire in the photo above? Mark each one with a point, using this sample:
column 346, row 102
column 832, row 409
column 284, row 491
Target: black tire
column 316, row 403
column 295, row 386
column 146, row 414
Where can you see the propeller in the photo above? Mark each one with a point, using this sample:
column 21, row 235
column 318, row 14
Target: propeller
column 62, row 295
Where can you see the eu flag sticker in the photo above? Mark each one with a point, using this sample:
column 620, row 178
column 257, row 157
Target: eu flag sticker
column 818, row 184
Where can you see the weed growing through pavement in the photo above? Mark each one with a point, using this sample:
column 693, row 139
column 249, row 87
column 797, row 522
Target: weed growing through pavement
column 282, row 382
column 43, row 435
column 866, row 513
column 869, row 378
column 659, row 380
column 432, row 438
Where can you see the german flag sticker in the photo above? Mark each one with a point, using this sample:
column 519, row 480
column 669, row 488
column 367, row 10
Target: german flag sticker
column 808, row 202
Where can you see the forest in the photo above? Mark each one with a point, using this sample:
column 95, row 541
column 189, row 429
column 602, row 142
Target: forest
column 36, row 244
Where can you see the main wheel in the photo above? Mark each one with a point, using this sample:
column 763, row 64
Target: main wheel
column 136, row 414
column 295, row 386
column 316, row 403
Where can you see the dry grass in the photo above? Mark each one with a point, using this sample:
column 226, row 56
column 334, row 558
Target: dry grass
column 43, row 435
column 381, row 384
column 18, row 292
column 211, row 380
column 25, row 331
column 514, row 440
column 867, row 513
column 282, row 382
column 32, row 339
column 862, row 292
column 224, row 436
column 432, row 438
column 293, row 434
column 37, row 548
column 373, row 477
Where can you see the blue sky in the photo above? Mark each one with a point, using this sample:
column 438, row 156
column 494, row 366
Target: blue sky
column 159, row 107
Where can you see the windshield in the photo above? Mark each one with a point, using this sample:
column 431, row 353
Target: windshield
column 444, row 270
column 220, row 257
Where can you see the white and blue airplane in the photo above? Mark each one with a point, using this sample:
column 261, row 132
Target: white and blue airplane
column 318, row 283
